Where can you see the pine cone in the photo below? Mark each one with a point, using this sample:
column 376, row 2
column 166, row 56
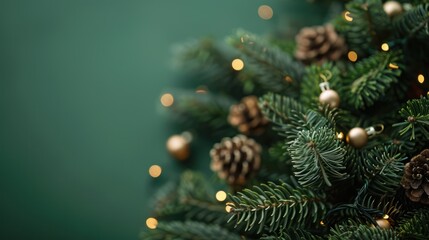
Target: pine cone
column 236, row 160
column 416, row 178
column 247, row 116
column 319, row 44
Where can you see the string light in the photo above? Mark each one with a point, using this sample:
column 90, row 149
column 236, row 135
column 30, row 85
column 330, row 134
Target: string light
column 237, row 64
column 265, row 12
column 288, row 79
column 221, row 196
column 151, row 223
column 386, row 216
column 347, row 16
column 340, row 135
column 393, row 66
column 201, row 90
column 352, row 55
column 421, row 78
column 155, row 171
column 228, row 207
column 167, row 100
column 385, row 47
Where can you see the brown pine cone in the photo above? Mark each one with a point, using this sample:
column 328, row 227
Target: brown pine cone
column 247, row 116
column 319, row 44
column 236, row 160
column 416, row 178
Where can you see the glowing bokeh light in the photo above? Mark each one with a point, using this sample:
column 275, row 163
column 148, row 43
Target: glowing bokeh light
column 151, row 223
column 221, row 196
column 167, row 100
column 421, row 78
column 155, row 171
column 265, row 12
column 237, row 64
column 352, row 55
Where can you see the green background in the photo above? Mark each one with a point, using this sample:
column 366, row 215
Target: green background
column 80, row 125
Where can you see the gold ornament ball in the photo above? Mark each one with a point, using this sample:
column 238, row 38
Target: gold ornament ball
column 383, row 223
column 392, row 8
column 178, row 147
column 357, row 137
column 330, row 97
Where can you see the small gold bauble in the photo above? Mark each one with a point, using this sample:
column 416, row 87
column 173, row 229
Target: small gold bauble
column 392, row 8
column 178, row 147
column 330, row 97
column 357, row 137
column 383, row 223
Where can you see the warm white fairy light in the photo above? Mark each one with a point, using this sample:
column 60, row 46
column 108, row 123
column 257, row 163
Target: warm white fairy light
column 352, row 55
column 228, row 207
column 151, row 223
column 167, row 99
column 221, row 196
column 385, row 47
column 155, row 171
column 347, row 16
column 393, row 66
column 237, row 64
column 421, row 78
column 265, row 12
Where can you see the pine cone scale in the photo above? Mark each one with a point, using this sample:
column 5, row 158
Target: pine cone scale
column 415, row 180
column 236, row 160
column 318, row 44
column 247, row 116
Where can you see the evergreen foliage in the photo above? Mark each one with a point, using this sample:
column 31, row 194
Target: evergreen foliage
column 414, row 24
column 369, row 27
column 383, row 170
column 416, row 114
column 276, row 206
column 318, row 158
column 292, row 234
column 188, row 230
column 313, row 182
column 354, row 231
column 411, row 227
column 267, row 67
column 369, row 80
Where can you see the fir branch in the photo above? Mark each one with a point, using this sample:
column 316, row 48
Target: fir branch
column 318, row 158
column 383, row 170
column 370, row 79
column 290, row 117
column 191, row 198
column 291, row 234
column 210, row 65
column 205, row 112
column 369, row 27
column 270, row 68
column 188, row 230
column 276, row 206
column 416, row 114
column 414, row 23
column 286, row 114
column 355, row 231
column 310, row 89
column 415, row 225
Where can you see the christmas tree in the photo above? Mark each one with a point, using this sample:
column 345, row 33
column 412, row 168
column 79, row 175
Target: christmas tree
column 320, row 135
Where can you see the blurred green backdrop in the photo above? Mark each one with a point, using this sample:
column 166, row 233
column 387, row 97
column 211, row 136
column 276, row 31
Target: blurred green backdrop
column 80, row 125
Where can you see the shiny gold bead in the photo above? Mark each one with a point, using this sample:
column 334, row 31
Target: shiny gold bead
column 178, row 147
column 392, row 8
column 383, row 223
column 330, row 97
column 357, row 137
